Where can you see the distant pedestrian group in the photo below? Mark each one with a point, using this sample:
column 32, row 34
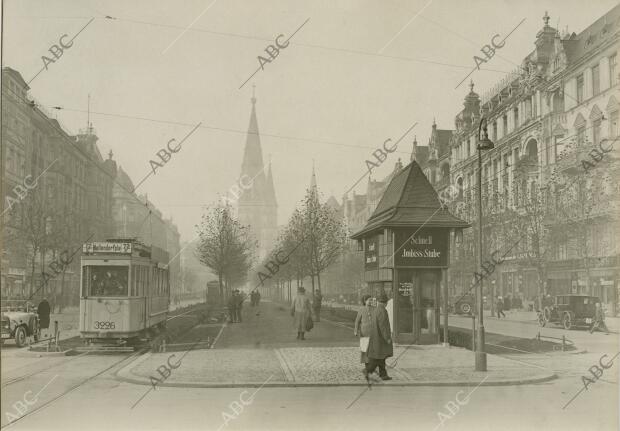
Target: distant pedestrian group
column 235, row 306
column 254, row 298
column 372, row 326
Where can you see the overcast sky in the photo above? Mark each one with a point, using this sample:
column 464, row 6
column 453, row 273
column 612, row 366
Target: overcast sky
column 346, row 83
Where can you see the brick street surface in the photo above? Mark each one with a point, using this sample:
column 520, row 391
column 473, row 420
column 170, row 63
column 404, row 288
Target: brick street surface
column 263, row 348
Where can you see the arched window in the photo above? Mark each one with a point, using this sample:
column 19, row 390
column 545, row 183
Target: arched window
column 532, row 150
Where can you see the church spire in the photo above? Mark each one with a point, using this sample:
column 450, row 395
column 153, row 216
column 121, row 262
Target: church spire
column 252, row 164
column 313, row 178
column 271, row 190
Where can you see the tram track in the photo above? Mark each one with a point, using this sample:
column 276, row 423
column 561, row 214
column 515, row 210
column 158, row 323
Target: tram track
column 20, row 378
column 75, row 387
column 34, row 373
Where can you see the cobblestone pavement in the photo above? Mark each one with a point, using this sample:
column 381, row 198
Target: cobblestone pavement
column 263, row 349
column 326, row 364
column 217, row 366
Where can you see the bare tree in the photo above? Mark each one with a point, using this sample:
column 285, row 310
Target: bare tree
column 225, row 246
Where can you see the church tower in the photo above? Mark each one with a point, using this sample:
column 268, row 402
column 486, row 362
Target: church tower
column 257, row 205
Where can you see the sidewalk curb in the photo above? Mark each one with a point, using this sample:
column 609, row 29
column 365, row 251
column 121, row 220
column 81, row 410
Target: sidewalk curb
column 35, row 354
column 126, row 375
column 512, row 382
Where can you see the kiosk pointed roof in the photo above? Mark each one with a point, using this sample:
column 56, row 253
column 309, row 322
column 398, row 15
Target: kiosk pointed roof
column 410, row 200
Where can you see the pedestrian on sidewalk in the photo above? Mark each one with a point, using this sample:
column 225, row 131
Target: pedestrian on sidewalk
column 361, row 329
column 300, row 310
column 599, row 319
column 232, row 307
column 316, row 305
column 43, row 310
column 257, row 298
column 380, row 344
column 500, row 307
column 239, row 305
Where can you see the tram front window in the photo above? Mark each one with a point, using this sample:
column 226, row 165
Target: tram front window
column 105, row 280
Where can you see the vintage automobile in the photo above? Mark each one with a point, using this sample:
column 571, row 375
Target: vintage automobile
column 463, row 304
column 19, row 321
column 569, row 311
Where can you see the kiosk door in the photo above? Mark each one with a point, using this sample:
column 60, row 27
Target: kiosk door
column 426, row 306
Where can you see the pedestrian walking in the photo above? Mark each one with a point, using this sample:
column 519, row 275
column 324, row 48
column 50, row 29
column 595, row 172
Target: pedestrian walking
column 239, row 305
column 500, row 307
column 300, row 310
column 257, row 298
column 316, row 305
column 380, row 343
column 361, row 328
column 43, row 310
column 599, row 319
column 232, row 307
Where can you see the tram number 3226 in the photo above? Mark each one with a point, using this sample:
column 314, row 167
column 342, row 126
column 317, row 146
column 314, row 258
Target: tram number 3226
column 104, row 325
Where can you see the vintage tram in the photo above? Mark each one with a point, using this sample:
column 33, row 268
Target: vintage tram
column 124, row 292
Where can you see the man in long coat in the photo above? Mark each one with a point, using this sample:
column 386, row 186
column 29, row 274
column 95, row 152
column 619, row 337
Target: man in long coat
column 43, row 310
column 300, row 310
column 380, row 345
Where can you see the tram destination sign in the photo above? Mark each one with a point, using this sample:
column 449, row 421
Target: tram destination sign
column 107, row 247
column 426, row 247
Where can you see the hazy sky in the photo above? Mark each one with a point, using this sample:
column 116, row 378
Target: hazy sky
column 329, row 96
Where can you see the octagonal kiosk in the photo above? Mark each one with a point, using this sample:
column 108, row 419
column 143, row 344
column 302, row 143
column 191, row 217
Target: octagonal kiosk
column 406, row 245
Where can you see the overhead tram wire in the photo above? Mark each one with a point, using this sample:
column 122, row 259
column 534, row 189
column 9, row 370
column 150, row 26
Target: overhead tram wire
column 62, row 134
column 306, row 45
column 538, row 153
column 245, row 132
column 221, row 129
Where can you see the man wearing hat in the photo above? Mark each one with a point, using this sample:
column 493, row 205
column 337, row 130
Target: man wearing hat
column 300, row 310
column 380, row 345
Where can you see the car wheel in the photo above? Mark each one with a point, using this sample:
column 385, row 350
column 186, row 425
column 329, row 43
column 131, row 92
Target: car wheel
column 566, row 321
column 20, row 336
column 465, row 308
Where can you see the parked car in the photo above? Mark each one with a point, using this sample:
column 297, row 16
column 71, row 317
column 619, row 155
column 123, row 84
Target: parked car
column 569, row 311
column 19, row 321
column 463, row 304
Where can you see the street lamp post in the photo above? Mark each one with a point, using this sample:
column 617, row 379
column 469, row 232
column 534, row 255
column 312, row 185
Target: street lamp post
column 484, row 143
